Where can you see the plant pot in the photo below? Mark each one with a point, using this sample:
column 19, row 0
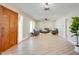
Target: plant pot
column 77, row 49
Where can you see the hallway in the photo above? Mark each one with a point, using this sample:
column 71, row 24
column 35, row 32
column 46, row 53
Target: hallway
column 44, row 44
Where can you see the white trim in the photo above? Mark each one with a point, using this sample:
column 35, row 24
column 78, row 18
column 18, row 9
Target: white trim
column 67, row 39
column 70, row 41
column 24, row 39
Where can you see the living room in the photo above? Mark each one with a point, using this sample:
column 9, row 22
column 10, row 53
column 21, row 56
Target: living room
column 44, row 26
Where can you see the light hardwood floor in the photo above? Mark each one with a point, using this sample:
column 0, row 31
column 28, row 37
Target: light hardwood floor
column 44, row 44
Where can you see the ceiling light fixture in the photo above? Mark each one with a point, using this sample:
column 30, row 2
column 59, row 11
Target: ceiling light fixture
column 46, row 19
column 46, row 7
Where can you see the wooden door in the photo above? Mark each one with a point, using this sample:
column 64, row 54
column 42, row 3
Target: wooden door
column 16, row 28
column 5, row 29
column 0, row 28
column 12, row 28
column 8, row 28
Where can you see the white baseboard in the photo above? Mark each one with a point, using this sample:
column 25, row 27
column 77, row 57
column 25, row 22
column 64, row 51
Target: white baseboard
column 24, row 39
column 67, row 39
column 71, row 41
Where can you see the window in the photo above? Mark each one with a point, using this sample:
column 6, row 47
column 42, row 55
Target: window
column 32, row 25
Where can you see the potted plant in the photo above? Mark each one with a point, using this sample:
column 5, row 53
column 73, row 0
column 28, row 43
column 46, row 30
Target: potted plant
column 74, row 28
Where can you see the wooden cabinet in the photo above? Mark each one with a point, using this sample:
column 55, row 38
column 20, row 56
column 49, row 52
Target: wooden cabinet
column 8, row 28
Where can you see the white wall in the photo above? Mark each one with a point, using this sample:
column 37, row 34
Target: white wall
column 63, row 26
column 45, row 24
column 60, row 24
column 20, row 28
column 23, row 27
column 26, row 27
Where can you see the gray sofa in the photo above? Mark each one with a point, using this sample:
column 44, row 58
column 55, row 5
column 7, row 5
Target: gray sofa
column 46, row 30
column 55, row 31
column 35, row 33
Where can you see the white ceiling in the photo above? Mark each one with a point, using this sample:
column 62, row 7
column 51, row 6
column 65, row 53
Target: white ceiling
column 37, row 9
